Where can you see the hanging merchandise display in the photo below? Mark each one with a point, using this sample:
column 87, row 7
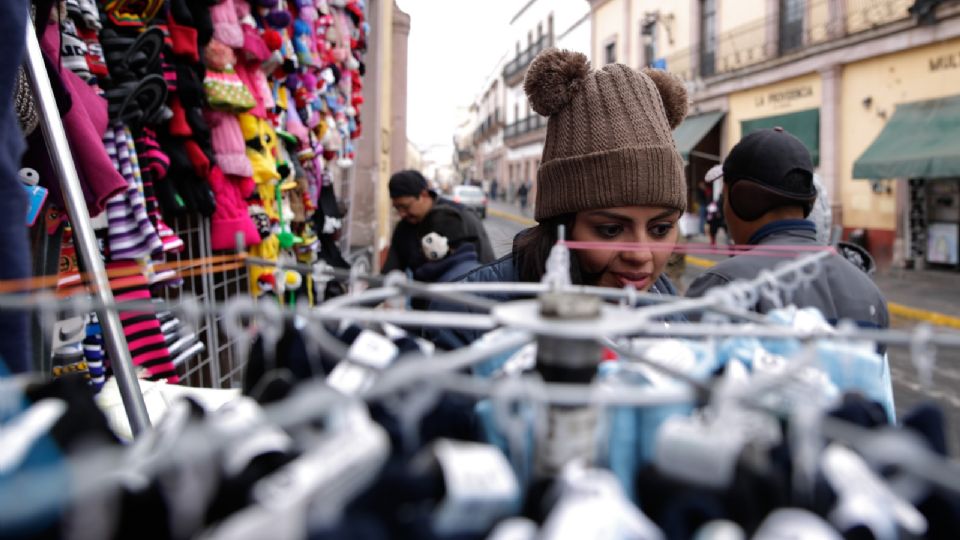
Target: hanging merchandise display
column 233, row 112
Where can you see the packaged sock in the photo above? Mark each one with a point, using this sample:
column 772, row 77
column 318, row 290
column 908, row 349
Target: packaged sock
column 67, row 357
column 93, row 352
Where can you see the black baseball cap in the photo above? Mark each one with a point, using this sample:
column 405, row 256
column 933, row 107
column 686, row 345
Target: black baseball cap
column 768, row 169
column 407, row 183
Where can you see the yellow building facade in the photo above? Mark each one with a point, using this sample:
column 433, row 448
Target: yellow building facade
column 872, row 89
column 832, row 72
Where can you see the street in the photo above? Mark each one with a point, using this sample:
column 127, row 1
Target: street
column 908, row 390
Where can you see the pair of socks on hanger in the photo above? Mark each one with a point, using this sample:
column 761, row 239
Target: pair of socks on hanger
column 181, row 343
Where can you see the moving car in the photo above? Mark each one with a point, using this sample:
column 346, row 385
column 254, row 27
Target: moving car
column 471, row 197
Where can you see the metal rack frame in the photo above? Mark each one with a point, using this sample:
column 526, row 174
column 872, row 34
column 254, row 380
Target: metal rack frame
column 65, row 169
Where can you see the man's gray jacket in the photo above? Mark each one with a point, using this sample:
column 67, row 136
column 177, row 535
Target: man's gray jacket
column 840, row 291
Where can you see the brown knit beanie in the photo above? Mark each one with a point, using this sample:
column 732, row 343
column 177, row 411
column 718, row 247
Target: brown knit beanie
column 609, row 135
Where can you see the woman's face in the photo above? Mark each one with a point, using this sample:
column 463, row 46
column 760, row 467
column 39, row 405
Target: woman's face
column 653, row 227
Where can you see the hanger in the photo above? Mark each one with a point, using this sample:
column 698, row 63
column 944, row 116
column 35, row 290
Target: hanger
column 337, row 464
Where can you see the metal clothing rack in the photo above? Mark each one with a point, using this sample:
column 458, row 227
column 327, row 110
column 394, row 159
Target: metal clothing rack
column 239, row 314
column 61, row 157
column 313, row 399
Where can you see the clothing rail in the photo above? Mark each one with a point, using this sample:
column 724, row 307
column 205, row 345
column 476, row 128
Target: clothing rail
column 269, row 318
column 350, row 307
column 86, row 242
column 428, row 319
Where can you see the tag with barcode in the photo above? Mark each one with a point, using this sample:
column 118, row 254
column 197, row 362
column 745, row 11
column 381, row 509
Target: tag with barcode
column 480, row 487
column 372, row 350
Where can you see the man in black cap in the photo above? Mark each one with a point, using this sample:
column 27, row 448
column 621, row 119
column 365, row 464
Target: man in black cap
column 413, row 199
column 768, row 193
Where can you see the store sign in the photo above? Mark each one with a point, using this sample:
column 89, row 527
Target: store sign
column 782, row 98
column 944, row 62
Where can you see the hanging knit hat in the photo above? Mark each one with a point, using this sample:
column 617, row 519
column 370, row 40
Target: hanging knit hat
column 227, row 139
column 609, row 135
column 226, row 26
column 231, row 215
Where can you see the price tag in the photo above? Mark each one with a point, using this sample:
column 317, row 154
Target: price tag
column 350, row 378
column 372, row 350
column 481, row 487
column 36, row 194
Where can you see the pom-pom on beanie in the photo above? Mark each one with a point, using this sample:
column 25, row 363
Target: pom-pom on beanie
column 609, row 135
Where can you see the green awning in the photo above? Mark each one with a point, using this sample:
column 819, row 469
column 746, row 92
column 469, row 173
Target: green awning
column 693, row 130
column 804, row 125
column 921, row 140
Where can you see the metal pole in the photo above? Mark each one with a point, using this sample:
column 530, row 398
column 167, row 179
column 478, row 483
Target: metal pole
column 66, row 171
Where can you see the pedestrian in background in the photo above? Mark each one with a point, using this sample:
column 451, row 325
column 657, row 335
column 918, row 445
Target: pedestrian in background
column 493, row 190
column 715, row 219
column 768, row 192
column 522, row 194
column 413, row 200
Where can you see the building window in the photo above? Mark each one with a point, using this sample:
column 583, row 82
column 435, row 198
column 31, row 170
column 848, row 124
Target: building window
column 610, row 53
column 539, row 31
column 708, row 37
column 791, row 25
column 648, row 41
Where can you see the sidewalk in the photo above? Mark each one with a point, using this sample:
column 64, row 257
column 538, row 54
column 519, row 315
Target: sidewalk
column 931, row 296
column 512, row 212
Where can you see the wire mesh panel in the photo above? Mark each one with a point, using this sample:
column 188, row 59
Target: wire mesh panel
column 208, row 279
column 228, row 351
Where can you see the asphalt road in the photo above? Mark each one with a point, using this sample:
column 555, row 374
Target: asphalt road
column 907, row 387
column 501, row 232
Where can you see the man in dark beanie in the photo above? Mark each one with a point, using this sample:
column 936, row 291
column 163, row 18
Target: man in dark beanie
column 413, row 199
column 768, row 193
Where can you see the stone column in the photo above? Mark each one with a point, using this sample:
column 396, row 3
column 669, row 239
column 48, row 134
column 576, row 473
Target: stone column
column 398, row 108
column 830, row 173
column 363, row 210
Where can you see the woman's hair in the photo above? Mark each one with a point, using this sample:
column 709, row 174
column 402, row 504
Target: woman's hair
column 532, row 247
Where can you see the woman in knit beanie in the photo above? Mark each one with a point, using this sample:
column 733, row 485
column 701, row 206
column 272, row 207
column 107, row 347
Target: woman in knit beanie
column 609, row 172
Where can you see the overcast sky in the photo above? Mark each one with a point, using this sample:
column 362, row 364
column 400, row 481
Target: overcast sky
column 454, row 45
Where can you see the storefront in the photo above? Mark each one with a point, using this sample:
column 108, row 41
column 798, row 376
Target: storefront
column 793, row 105
column 921, row 142
column 900, row 154
column 698, row 141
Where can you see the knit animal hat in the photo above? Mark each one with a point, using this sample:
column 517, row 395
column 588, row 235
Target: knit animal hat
column 609, row 135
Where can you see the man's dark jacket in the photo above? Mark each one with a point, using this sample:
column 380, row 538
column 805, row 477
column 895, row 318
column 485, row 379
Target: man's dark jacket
column 407, row 254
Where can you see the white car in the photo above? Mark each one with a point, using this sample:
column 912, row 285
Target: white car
column 471, row 197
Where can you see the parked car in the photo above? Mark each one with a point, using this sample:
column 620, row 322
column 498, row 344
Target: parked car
column 471, row 197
